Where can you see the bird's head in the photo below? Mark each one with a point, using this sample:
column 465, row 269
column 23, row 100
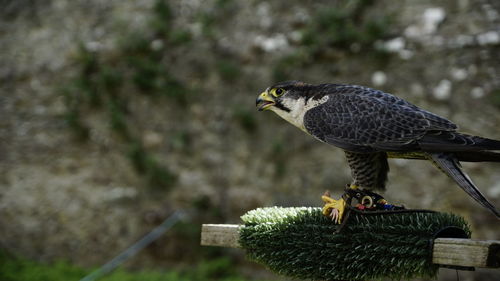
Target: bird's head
column 287, row 99
column 281, row 96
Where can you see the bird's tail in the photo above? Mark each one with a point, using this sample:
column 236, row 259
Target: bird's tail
column 483, row 143
column 477, row 156
column 449, row 164
column 457, row 142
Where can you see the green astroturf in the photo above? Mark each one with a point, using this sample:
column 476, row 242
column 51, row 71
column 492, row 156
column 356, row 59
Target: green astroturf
column 302, row 243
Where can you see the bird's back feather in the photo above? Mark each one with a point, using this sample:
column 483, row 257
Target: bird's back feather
column 361, row 119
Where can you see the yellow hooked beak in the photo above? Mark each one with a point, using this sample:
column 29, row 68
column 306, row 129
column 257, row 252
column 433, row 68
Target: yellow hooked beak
column 264, row 101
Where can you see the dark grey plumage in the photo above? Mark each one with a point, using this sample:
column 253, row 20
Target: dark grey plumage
column 371, row 126
column 368, row 169
column 361, row 119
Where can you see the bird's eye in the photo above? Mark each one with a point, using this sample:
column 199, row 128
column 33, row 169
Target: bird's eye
column 278, row 92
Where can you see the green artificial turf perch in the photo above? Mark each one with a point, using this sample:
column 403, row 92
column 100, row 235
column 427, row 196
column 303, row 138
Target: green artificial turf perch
column 303, row 243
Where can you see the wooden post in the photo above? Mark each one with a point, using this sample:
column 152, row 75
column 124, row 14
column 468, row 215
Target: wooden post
column 223, row 235
column 466, row 252
column 446, row 251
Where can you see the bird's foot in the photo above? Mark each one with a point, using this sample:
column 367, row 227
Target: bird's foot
column 369, row 201
column 333, row 209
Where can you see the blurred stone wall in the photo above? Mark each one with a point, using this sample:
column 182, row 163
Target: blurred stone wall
column 83, row 199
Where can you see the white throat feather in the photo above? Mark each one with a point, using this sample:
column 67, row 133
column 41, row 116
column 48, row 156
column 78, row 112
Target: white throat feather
column 298, row 109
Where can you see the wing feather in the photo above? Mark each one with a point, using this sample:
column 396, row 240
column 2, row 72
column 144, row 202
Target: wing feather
column 362, row 119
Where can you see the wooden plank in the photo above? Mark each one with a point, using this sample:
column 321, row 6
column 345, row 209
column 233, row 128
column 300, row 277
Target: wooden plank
column 222, row 235
column 446, row 252
column 466, row 252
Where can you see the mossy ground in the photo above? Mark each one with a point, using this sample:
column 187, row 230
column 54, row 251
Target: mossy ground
column 14, row 268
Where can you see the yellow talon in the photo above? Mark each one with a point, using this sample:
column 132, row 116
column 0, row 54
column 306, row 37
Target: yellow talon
column 333, row 208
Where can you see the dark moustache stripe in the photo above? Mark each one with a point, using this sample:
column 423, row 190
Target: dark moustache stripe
column 281, row 106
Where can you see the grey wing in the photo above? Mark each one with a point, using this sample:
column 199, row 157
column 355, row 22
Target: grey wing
column 367, row 120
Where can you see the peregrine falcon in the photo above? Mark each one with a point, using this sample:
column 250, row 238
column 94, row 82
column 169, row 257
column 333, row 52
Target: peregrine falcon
column 372, row 126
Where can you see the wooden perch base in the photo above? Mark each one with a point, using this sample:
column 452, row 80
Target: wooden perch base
column 446, row 251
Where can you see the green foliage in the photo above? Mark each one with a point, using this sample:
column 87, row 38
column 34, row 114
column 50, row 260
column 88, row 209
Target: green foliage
column 110, row 80
column 228, row 70
column 181, row 140
column 89, row 65
column 279, row 158
column 180, row 37
column 219, row 269
column 135, row 43
column 246, row 119
column 156, row 174
column 207, row 21
column 223, row 3
column 145, row 74
column 495, row 97
column 340, row 29
column 174, row 89
column 18, row 269
column 346, row 26
column 72, row 116
column 302, row 243
column 116, row 111
column 284, row 67
column 105, row 82
column 162, row 20
column 153, row 79
column 212, row 19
